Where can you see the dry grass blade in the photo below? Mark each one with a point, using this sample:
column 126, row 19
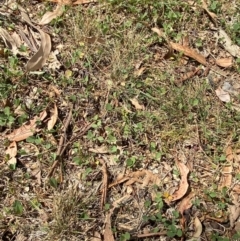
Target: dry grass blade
column 71, row 2
column 84, row 1
column 148, row 235
column 49, row 16
column 26, row 130
column 189, row 52
column 64, row 2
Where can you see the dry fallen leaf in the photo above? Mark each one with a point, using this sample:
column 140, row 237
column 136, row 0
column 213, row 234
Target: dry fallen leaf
column 16, row 39
column 26, row 130
column 211, row 14
column 96, row 236
column 234, row 210
column 183, row 187
column 55, row 90
column 136, row 104
column 227, row 43
column 139, row 72
column 53, row 62
column 12, row 152
column 145, row 177
column 159, row 32
column 9, row 41
column 53, row 118
column 223, row 95
column 187, row 76
column 108, row 233
column 186, row 203
column 224, row 62
column 49, row 16
column 198, row 228
column 189, row 52
column 39, row 59
column 20, row 237
column 226, row 174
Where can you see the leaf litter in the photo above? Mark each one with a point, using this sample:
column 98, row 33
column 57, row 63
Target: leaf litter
column 135, row 181
column 28, row 129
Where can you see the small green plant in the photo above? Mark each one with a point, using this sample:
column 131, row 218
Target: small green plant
column 215, row 6
column 170, row 225
column 217, row 237
column 159, row 201
column 53, row 182
column 17, row 207
column 125, row 236
column 6, row 117
column 173, row 230
column 131, row 161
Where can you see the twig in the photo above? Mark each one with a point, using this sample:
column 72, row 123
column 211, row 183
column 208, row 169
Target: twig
column 105, row 183
column 61, row 149
column 145, row 235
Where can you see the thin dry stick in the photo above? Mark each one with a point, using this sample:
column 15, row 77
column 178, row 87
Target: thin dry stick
column 145, row 235
column 61, row 142
column 105, row 183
